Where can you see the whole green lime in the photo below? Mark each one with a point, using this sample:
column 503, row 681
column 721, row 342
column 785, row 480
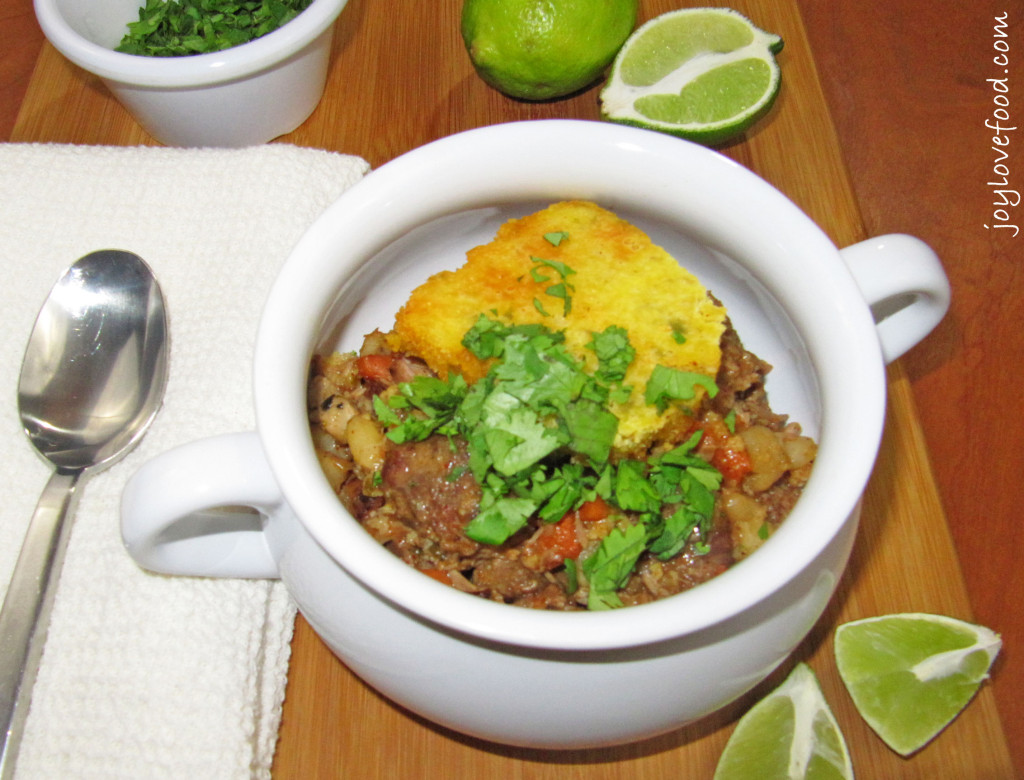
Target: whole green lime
column 542, row 49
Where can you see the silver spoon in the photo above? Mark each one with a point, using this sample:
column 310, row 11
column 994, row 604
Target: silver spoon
column 92, row 379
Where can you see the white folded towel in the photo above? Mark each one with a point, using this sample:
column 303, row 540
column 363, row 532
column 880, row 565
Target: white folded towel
column 147, row 676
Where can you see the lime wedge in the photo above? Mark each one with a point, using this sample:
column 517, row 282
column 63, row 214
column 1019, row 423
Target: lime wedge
column 706, row 74
column 789, row 735
column 910, row 675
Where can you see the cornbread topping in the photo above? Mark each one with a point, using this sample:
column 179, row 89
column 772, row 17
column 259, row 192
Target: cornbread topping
column 607, row 273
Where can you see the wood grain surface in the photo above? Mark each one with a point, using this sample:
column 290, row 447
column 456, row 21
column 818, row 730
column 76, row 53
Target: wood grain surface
column 880, row 127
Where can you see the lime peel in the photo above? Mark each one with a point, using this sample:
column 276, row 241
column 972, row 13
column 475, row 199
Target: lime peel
column 544, row 49
column 911, row 674
column 706, row 74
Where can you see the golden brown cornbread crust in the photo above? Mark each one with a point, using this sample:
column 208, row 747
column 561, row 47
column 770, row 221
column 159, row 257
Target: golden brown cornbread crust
column 621, row 278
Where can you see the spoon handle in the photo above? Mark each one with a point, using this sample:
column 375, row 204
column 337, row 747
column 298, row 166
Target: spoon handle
column 26, row 611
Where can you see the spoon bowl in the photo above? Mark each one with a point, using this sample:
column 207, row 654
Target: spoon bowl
column 95, row 364
column 92, row 380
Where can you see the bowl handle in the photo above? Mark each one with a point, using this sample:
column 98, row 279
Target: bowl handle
column 904, row 284
column 200, row 509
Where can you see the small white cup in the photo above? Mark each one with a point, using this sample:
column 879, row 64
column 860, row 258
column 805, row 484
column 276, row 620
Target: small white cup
column 241, row 96
column 516, row 675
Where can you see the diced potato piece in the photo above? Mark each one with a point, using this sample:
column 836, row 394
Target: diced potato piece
column 801, row 451
column 747, row 518
column 767, row 458
column 336, row 419
column 366, row 441
column 334, row 468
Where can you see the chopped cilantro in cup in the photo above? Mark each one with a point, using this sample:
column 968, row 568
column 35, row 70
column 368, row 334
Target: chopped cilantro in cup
column 176, row 28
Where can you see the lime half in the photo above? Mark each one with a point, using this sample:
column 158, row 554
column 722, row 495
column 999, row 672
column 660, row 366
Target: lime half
column 790, row 734
column 706, row 74
column 910, row 675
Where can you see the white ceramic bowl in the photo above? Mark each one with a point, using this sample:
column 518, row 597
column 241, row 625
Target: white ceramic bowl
column 241, row 96
column 516, row 675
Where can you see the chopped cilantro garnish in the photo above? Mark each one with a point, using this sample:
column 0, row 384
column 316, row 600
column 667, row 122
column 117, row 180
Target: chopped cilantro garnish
column 538, row 401
column 486, row 339
column 560, row 268
column 561, row 491
column 436, row 401
column 614, row 353
column 730, row 420
column 678, row 529
column 633, row 491
column 572, row 579
column 674, row 497
column 515, row 436
column 611, row 564
column 671, row 384
column 592, row 429
column 678, row 332
column 562, row 290
column 498, row 520
column 556, row 238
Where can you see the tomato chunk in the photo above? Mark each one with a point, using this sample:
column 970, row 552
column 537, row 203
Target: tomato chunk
column 592, row 511
column 375, row 367
column 558, row 541
column 733, row 462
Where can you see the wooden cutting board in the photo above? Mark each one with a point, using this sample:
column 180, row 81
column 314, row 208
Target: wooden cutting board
column 400, row 78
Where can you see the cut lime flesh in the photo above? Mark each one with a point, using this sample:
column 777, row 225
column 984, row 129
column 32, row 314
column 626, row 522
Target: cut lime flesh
column 703, row 74
column 662, row 48
column 789, row 735
column 715, row 96
column 910, row 675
